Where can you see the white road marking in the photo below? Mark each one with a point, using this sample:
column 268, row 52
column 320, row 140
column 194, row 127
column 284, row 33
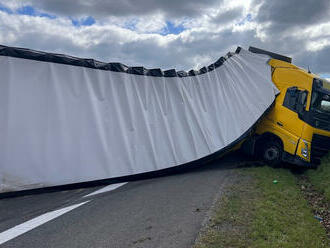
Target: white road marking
column 35, row 222
column 42, row 219
column 106, row 189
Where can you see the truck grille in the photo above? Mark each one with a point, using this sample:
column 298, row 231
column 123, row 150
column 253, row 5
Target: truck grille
column 320, row 146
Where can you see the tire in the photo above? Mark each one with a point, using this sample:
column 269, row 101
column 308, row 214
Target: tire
column 272, row 153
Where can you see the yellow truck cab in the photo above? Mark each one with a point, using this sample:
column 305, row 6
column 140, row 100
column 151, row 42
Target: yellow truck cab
column 297, row 128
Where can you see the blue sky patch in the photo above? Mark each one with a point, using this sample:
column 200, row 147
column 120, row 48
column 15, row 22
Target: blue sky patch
column 88, row 21
column 5, row 9
column 171, row 28
column 325, row 75
column 131, row 24
column 26, row 10
column 248, row 18
column 30, row 11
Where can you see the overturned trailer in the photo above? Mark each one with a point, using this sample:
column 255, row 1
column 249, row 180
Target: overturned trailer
column 66, row 120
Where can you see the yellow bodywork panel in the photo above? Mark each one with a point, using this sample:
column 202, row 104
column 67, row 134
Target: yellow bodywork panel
column 296, row 135
column 289, row 141
column 283, row 122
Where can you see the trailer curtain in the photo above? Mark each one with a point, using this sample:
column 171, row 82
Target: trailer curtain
column 70, row 122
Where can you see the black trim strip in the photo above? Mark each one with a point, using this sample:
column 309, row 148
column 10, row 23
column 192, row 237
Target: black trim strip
column 271, row 54
column 25, row 53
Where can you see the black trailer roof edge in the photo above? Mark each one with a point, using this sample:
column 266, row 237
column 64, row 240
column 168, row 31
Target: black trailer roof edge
column 238, row 50
column 25, row 53
column 271, row 54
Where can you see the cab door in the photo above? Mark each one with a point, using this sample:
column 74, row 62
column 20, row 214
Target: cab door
column 288, row 112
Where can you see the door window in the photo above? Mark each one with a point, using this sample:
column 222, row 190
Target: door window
column 295, row 99
column 290, row 100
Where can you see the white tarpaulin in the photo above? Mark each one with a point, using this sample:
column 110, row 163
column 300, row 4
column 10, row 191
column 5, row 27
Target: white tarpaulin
column 63, row 124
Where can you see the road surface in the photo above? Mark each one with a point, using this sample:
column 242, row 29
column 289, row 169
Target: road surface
column 160, row 212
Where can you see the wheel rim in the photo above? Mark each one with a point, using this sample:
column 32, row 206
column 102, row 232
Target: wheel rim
column 271, row 153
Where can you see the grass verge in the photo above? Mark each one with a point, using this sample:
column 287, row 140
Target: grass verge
column 258, row 213
column 320, row 177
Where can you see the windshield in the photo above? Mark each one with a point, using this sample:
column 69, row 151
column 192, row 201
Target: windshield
column 321, row 98
column 326, row 84
column 325, row 105
column 320, row 102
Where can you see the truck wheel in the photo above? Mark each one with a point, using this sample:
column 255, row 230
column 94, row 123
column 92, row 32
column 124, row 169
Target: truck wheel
column 272, row 153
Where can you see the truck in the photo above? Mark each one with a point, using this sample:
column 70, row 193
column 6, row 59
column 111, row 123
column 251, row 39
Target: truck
column 296, row 129
column 67, row 121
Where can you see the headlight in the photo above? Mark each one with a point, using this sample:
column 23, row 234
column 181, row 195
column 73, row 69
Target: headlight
column 304, row 150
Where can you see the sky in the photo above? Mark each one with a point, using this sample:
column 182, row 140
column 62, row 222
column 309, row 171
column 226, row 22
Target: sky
column 168, row 34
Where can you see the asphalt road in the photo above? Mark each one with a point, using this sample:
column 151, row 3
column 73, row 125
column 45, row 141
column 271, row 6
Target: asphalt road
column 160, row 212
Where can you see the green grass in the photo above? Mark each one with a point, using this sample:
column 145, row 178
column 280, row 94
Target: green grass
column 230, row 224
column 259, row 213
column 320, row 177
column 282, row 217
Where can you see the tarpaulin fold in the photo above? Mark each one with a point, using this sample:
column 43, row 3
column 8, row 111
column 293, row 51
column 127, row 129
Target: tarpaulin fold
column 67, row 120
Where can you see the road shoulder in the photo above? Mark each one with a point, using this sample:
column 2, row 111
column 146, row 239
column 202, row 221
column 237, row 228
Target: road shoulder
column 265, row 208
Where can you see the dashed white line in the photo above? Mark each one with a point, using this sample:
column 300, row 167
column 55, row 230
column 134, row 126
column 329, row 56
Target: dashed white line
column 35, row 222
column 106, row 189
column 42, row 219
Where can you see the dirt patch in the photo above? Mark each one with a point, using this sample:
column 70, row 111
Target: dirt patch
column 317, row 201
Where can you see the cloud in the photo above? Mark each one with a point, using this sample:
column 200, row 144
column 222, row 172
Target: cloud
column 277, row 19
column 297, row 28
column 166, row 34
column 318, row 62
column 105, row 8
column 109, row 42
column 228, row 16
column 293, row 13
column 152, row 41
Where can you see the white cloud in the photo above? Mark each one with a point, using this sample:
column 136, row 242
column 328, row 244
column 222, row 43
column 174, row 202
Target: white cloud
column 151, row 24
column 113, row 40
column 13, row 4
column 317, row 45
column 133, row 33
